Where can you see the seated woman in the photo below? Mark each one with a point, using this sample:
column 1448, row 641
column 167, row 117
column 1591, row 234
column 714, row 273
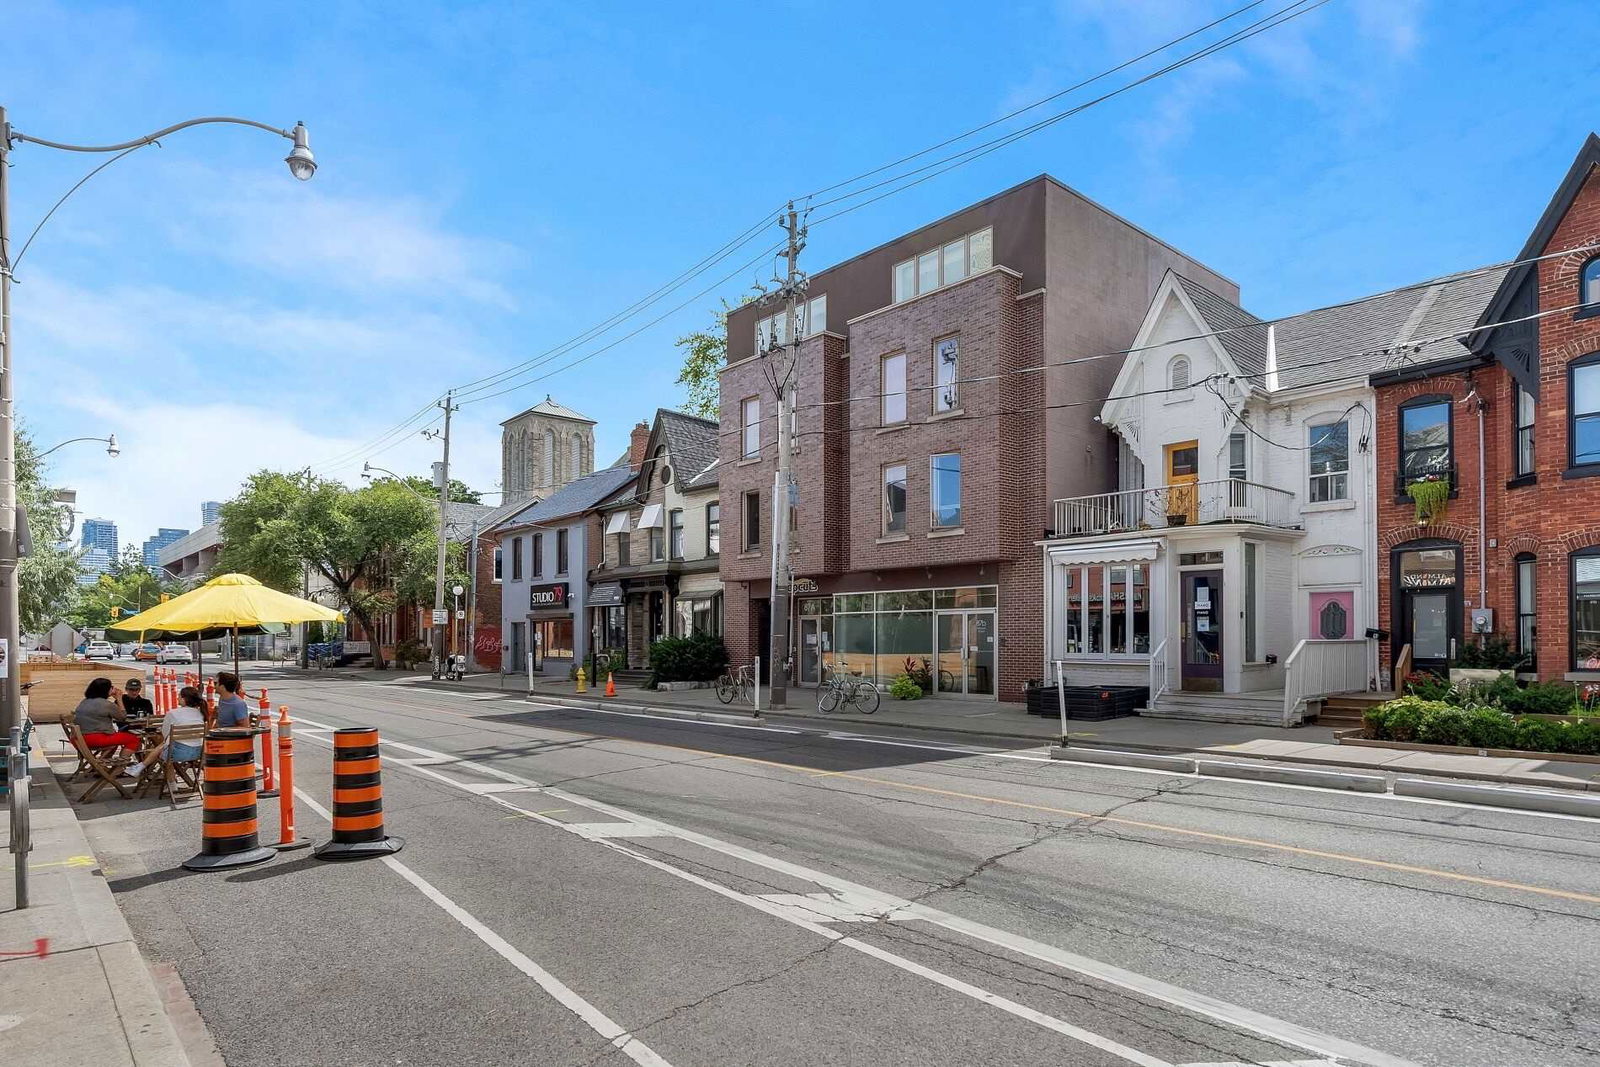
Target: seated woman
column 191, row 711
column 100, row 718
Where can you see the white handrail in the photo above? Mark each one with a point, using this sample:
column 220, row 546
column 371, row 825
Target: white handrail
column 1318, row 668
column 1216, row 500
column 1158, row 673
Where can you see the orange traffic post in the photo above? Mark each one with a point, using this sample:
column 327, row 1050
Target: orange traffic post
column 269, row 776
column 357, row 799
column 211, row 700
column 288, row 838
column 611, row 684
column 229, row 833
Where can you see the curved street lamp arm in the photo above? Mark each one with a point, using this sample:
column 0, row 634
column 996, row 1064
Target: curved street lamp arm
column 17, row 135
column 385, row 470
column 70, row 441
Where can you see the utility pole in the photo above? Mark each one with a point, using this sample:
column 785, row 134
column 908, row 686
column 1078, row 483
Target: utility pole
column 783, row 479
column 438, row 573
column 10, row 603
column 472, row 601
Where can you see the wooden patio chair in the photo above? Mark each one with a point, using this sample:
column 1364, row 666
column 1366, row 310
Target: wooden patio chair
column 104, row 772
column 68, row 725
column 186, row 771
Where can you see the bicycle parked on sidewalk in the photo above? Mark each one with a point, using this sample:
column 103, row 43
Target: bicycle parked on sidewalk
column 737, row 682
column 848, row 690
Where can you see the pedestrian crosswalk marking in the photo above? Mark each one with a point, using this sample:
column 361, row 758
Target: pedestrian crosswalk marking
column 599, row 831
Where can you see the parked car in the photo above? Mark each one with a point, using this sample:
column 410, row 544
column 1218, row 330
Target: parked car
column 146, row 653
column 174, row 654
column 99, row 650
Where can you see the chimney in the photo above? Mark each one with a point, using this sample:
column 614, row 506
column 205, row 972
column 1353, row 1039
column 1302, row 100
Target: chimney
column 640, row 441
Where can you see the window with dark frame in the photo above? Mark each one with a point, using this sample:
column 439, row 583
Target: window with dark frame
column 1522, row 431
column 499, row 563
column 1527, row 575
column 561, row 551
column 675, row 533
column 1589, row 282
column 946, row 376
column 1425, row 438
column 944, row 491
column 516, row 559
column 894, row 498
column 752, row 519
column 1586, row 609
column 750, row 414
column 1329, row 454
column 538, row 555
column 1583, row 410
column 714, row 529
column 657, row 545
column 622, row 550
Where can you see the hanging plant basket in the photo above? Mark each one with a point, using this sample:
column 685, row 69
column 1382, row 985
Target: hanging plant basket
column 1431, row 495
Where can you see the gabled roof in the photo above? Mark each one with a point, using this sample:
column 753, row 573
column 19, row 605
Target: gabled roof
column 549, row 407
column 1247, row 347
column 692, row 443
column 458, row 518
column 1588, row 157
column 576, row 497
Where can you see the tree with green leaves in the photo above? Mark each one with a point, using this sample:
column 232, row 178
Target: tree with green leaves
column 704, row 353
column 460, row 492
column 128, row 588
column 366, row 543
column 47, row 578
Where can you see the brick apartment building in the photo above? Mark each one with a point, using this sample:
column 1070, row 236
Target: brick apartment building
column 928, row 444
column 1521, row 405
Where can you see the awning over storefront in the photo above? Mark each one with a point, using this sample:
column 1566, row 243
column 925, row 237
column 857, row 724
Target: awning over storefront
column 651, row 518
column 1105, row 552
column 605, row 595
column 618, row 523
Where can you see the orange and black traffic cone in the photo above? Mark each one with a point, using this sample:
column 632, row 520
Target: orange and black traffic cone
column 229, row 833
column 357, row 799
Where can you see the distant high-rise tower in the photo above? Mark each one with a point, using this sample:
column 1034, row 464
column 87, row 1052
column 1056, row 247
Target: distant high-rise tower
column 210, row 512
column 92, row 564
column 101, row 534
column 154, row 545
column 543, row 449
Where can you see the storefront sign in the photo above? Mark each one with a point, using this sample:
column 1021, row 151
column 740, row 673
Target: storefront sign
column 805, row 586
column 1428, row 579
column 548, row 596
column 605, row 595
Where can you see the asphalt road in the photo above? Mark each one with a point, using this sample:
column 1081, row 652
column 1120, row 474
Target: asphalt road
column 583, row 888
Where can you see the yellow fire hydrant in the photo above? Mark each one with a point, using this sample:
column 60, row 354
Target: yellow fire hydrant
column 583, row 681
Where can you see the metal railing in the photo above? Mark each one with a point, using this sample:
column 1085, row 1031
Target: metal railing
column 1195, row 503
column 1319, row 668
column 1445, row 471
column 1158, row 674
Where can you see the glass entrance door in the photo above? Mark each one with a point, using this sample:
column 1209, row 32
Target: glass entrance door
column 1430, row 628
column 816, row 648
column 966, row 653
column 1202, row 631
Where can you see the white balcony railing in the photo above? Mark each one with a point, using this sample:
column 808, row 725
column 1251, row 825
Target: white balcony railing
column 1190, row 504
column 1318, row 669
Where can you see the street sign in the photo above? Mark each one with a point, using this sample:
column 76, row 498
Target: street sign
column 441, row 616
column 461, row 613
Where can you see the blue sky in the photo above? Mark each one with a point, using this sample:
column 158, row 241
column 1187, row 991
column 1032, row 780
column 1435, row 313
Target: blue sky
column 497, row 178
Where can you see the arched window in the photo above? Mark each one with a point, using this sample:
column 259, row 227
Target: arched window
column 1178, row 373
column 1589, row 282
column 1333, row 621
column 549, row 457
column 574, row 468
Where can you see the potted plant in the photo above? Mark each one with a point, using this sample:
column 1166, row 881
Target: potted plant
column 1431, row 495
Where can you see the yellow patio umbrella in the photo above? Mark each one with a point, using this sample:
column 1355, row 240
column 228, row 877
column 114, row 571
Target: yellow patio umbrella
column 227, row 604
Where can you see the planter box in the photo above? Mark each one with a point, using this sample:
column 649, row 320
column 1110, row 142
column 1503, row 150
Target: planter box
column 1482, row 675
column 1088, row 702
column 1462, row 750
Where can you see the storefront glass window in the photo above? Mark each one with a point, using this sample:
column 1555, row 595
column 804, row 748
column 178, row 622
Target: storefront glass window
column 920, row 599
column 985, row 596
column 853, row 602
column 616, row 627
column 817, row 605
column 853, row 643
column 902, row 636
column 1107, row 611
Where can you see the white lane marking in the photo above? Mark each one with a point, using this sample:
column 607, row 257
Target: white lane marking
column 1194, row 1002
column 830, row 907
column 1267, row 1063
column 482, row 788
column 597, row 831
column 596, row 1019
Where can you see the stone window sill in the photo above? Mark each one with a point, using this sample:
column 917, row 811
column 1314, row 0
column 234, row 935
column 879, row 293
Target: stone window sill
column 948, row 531
column 1330, row 505
column 749, row 461
column 889, row 539
column 750, row 554
column 1583, row 470
column 1521, row 480
column 951, row 414
column 892, row 429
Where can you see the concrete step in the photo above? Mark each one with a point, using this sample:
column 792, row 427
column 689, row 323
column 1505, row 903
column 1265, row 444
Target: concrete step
column 1240, row 715
column 636, row 679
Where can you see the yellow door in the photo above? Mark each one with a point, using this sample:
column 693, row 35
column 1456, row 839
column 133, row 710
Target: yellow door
column 1183, row 471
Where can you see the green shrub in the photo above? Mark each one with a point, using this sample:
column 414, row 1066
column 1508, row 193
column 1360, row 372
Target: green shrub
column 1434, row 722
column 1486, row 653
column 905, row 687
column 1542, row 698
column 1399, row 719
column 1427, row 685
column 696, row 658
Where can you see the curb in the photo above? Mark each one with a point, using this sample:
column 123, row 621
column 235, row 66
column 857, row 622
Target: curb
column 1527, row 799
column 1360, row 783
column 654, row 710
column 1125, row 759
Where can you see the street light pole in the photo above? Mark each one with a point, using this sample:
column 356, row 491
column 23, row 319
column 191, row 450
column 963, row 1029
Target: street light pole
column 301, row 164
column 438, row 573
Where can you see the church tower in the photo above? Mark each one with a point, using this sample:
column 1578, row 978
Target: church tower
column 543, row 449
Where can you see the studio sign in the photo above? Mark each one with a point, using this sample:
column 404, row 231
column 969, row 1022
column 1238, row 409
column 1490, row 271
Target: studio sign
column 548, row 596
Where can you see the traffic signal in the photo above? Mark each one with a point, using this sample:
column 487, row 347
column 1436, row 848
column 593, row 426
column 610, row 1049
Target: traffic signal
column 116, row 613
column 165, row 597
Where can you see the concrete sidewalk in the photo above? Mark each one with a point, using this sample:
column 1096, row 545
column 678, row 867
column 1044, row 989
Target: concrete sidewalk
column 74, row 988
column 1010, row 724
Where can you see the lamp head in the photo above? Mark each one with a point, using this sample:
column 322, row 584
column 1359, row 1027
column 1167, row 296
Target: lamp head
column 302, row 164
column 366, row 470
column 111, row 447
column 457, row 590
